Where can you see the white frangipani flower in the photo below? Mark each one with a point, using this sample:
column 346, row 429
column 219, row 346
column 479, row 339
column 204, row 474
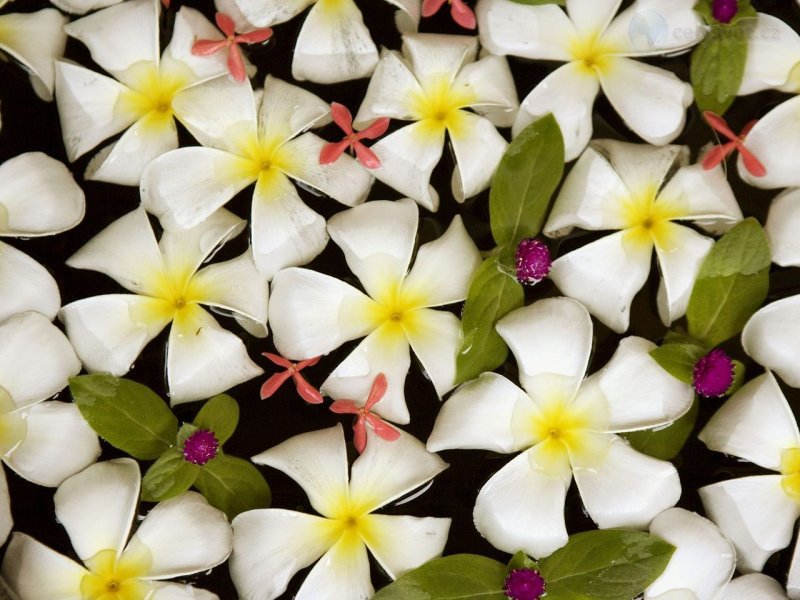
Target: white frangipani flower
column 254, row 138
column 34, row 40
column 203, row 359
column 566, row 426
column 783, row 223
column 432, row 83
column 772, row 338
column 124, row 40
column 703, row 563
column 598, row 50
column 44, row 442
column 313, row 313
column 38, row 196
column 179, row 537
column 624, row 187
column 270, row 545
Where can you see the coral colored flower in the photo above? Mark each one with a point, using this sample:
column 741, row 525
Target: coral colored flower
column 461, row 13
column 364, row 416
column 232, row 40
column 342, row 117
column 718, row 153
column 307, row 391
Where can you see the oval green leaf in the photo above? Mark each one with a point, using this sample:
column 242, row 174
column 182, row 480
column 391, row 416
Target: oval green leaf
column 610, row 564
column 219, row 415
column 678, row 359
column 127, row 414
column 667, row 442
column 717, row 66
column 461, row 576
column 526, row 178
column 233, row 485
column 169, row 476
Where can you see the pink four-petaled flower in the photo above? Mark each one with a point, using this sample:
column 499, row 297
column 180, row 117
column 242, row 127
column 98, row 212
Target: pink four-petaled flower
column 461, row 13
column 718, row 153
column 307, row 391
column 342, row 117
column 231, row 42
column 364, row 416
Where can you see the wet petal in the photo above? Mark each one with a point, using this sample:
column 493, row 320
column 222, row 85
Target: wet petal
column 771, row 338
column 235, row 286
column 25, row 285
column 287, row 110
column 435, row 55
column 655, row 27
column 783, row 223
column 390, row 92
column 773, row 51
column 401, row 543
column 478, row 148
column 435, row 337
column 32, row 570
column 343, row 572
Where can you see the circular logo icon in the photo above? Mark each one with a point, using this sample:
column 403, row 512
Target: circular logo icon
column 648, row 30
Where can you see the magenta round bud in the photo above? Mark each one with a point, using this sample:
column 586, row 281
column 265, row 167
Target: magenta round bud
column 200, row 447
column 724, row 10
column 713, row 374
column 532, row 261
column 524, row 584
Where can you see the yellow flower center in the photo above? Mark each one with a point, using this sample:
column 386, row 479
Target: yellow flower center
column 790, row 468
column 110, row 578
column 591, row 54
column 647, row 219
column 12, row 426
column 151, row 91
column 396, row 310
column 439, row 105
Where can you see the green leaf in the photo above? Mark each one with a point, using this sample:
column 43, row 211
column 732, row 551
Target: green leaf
column 169, row 476
column 611, row 564
column 678, row 359
column 128, row 415
column 732, row 284
column 717, row 66
column 493, row 293
column 219, row 415
column 746, row 11
column 738, row 377
column 461, row 576
column 233, row 485
column 667, row 442
column 526, row 178
column 521, row 561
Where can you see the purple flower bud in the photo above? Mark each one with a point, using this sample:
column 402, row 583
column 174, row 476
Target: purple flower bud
column 200, row 447
column 533, row 261
column 713, row 374
column 524, row 584
column 724, row 10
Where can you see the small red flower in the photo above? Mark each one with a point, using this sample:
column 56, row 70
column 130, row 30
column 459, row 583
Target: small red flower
column 165, row 3
column 342, row 117
column 461, row 13
column 231, row 42
column 718, row 153
column 364, row 416
column 307, row 391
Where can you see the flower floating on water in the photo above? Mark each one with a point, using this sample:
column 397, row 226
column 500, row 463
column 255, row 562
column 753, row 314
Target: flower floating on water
column 717, row 154
column 620, row 186
column 432, row 84
column 179, row 537
column 139, row 97
column 236, row 66
column 365, row 417
column 598, row 50
column 248, row 141
column 109, row 331
column 307, row 391
column 271, row 545
column 342, row 117
column 314, row 313
column 565, row 427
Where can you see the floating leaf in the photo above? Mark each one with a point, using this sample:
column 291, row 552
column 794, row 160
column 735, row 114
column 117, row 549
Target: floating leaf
column 493, row 293
column 717, row 66
column 169, row 476
column 744, row 11
column 525, row 180
column 233, row 485
column 127, row 414
column 522, row 561
column 219, row 415
column 610, row 564
column 461, row 576
column 679, row 359
column 738, row 377
column 667, row 442
column 732, row 284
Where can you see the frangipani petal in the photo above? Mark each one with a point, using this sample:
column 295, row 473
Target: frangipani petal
column 783, row 222
column 334, row 45
column 343, row 572
column 203, row 359
column 773, row 50
column 390, row 92
column 551, row 341
column 704, row 559
column 32, row 571
column 642, row 168
column 312, row 313
column 755, row 424
column 401, row 543
column 385, row 350
column 235, row 286
column 628, row 488
column 478, row 148
column 771, row 338
column 705, row 196
column 181, row 591
column 271, row 545
column 38, row 196
column 756, row 585
column 35, row 358
column 25, row 285
column 184, row 535
column 654, row 27
column 435, row 337
column 377, row 239
column 317, row 461
column 58, row 443
column 773, row 140
column 540, row 32
column 108, row 332
column 191, row 25
column 435, row 55
column 388, row 470
column 590, row 17
column 792, row 581
column 408, row 17
column 605, row 275
column 639, row 393
column 287, row 110
column 629, row 84
column 755, row 513
column 263, row 15
column 521, row 508
column 490, row 81
column 479, row 415
column 444, row 267
column 568, row 93
column 98, row 505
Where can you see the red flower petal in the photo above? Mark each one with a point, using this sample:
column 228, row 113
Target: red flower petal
column 236, row 64
column 366, row 156
column 331, row 152
column 272, row 384
column 342, row 117
column 747, row 128
column 376, row 129
column 377, row 391
column 462, row 14
column 754, row 166
column 342, row 407
column 307, row 391
column 309, row 362
column 278, row 360
column 718, row 124
column 717, row 154
column 360, row 435
column 383, row 429
column 225, row 23
column 431, row 7
column 207, row 47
